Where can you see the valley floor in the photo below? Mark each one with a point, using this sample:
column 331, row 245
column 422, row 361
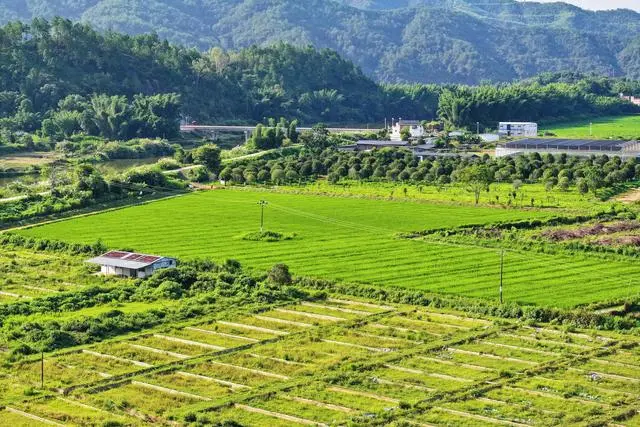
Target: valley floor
column 356, row 240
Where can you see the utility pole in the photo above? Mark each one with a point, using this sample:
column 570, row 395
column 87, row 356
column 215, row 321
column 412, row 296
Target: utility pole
column 262, row 204
column 477, row 128
column 591, row 129
column 501, row 272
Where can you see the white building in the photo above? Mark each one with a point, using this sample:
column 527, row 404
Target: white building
column 129, row 264
column 631, row 99
column 416, row 130
column 526, row 129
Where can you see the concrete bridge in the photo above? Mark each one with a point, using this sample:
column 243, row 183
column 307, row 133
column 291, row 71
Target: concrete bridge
column 247, row 130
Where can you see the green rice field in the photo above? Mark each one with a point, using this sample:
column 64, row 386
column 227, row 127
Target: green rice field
column 603, row 128
column 353, row 240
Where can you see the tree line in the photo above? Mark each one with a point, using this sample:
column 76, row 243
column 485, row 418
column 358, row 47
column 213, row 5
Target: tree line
column 475, row 173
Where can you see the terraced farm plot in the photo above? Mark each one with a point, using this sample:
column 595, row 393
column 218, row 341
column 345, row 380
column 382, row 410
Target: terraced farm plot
column 303, row 409
column 234, row 374
column 354, row 240
column 483, row 412
column 136, row 353
column 138, row 398
column 359, row 399
column 188, row 383
column 356, row 361
column 224, row 332
column 16, row 418
column 103, row 365
column 246, row 415
column 284, row 367
column 58, row 373
column 69, row 412
column 306, row 350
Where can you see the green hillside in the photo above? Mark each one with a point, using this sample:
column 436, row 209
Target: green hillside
column 466, row 41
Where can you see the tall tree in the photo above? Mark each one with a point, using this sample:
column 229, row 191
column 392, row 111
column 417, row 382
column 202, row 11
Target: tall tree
column 476, row 179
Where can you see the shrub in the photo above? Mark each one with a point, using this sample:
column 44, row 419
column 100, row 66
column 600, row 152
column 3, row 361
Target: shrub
column 267, row 236
column 279, row 274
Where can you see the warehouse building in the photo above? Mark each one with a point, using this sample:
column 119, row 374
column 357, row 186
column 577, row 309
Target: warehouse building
column 130, row 264
column 574, row 147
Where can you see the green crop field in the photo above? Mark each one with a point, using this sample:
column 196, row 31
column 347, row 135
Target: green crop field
column 354, row 240
column 603, row 128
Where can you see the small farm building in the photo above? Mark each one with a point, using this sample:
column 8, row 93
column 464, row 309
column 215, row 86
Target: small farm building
column 129, row 264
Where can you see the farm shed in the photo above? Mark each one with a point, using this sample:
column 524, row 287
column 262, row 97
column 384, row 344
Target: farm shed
column 576, row 147
column 130, row 264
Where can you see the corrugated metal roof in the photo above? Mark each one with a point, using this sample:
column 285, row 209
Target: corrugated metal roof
column 124, row 259
column 568, row 144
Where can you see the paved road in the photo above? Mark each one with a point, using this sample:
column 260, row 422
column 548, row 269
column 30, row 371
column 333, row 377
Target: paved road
column 186, row 168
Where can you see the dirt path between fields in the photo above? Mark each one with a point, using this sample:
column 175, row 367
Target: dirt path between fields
column 630, row 196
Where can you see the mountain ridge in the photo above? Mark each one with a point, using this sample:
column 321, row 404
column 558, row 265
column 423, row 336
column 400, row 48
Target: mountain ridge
column 441, row 41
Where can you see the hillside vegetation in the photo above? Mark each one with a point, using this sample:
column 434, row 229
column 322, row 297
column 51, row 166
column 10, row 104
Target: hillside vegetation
column 50, row 73
column 465, row 41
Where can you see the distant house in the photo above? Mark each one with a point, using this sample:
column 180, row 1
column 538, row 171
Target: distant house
column 526, row 129
column 416, row 130
column 129, row 264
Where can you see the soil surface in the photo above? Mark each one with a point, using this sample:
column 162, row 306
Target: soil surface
column 630, row 196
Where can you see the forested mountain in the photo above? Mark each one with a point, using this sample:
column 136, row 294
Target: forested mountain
column 63, row 77
column 465, row 41
column 44, row 62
